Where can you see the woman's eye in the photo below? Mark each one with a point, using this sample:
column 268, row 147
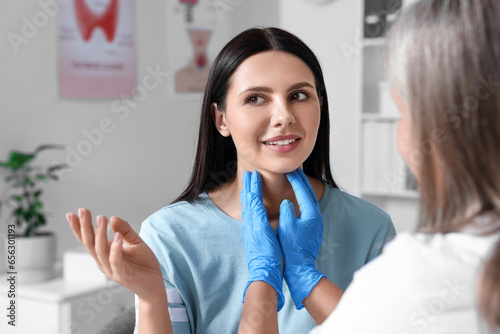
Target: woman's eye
column 299, row 96
column 255, row 99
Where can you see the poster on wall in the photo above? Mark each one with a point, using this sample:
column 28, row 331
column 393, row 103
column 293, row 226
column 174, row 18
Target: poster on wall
column 196, row 30
column 97, row 57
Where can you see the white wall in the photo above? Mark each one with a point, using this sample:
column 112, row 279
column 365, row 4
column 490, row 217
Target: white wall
column 139, row 167
column 146, row 161
column 325, row 28
column 251, row 13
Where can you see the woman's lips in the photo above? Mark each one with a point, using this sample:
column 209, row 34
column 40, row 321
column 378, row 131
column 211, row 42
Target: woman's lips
column 282, row 144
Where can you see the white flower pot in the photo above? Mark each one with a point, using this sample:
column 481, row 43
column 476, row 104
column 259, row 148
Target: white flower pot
column 34, row 258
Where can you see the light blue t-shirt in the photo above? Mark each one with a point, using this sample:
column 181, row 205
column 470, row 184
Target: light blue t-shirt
column 201, row 254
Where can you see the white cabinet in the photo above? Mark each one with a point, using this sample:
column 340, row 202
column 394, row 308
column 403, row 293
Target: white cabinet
column 63, row 307
column 385, row 180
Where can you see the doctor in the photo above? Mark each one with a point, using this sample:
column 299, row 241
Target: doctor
column 443, row 57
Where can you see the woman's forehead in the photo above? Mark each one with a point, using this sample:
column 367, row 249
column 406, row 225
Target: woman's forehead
column 272, row 69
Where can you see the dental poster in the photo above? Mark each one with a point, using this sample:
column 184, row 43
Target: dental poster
column 196, row 30
column 97, row 57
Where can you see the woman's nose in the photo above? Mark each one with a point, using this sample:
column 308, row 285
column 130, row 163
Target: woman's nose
column 282, row 115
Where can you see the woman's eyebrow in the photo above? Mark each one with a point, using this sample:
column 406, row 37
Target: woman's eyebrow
column 300, row 85
column 269, row 90
column 257, row 89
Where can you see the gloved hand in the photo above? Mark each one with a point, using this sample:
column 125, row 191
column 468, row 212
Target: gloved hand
column 262, row 249
column 300, row 238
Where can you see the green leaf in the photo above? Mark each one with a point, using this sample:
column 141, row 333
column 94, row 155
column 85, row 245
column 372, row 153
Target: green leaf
column 17, row 160
column 27, row 215
column 27, row 181
column 33, row 211
column 37, row 193
column 36, row 207
column 17, row 198
column 41, row 177
column 19, row 212
column 39, row 221
column 8, row 179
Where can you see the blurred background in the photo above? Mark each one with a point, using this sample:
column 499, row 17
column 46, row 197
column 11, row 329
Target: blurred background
column 143, row 158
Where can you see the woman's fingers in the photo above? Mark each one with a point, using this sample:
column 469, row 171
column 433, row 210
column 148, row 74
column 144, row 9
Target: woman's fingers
column 102, row 244
column 74, row 223
column 108, row 255
column 126, row 231
column 84, row 233
column 116, row 258
column 87, row 230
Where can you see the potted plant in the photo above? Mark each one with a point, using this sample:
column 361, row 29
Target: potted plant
column 34, row 251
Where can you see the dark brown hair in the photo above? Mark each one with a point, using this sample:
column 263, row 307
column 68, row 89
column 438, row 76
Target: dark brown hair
column 444, row 60
column 215, row 161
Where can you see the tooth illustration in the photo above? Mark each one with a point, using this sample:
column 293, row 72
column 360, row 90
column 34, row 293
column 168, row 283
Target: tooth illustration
column 88, row 20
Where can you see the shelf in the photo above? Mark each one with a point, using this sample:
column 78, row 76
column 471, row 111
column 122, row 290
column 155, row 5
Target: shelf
column 405, row 194
column 58, row 289
column 366, row 117
column 380, row 41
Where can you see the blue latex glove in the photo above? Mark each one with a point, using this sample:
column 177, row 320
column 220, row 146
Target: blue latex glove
column 262, row 249
column 300, row 238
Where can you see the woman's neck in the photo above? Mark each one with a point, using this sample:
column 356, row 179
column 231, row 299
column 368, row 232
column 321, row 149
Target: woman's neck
column 276, row 188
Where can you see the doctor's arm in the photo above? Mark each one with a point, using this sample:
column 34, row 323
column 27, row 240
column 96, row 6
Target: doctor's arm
column 322, row 300
column 300, row 239
column 259, row 310
column 263, row 295
column 259, row 315
column 297, row 236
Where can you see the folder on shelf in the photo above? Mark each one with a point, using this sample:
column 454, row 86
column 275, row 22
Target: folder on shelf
column 383, row 168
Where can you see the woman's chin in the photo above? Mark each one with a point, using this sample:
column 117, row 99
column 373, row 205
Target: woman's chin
column 280, row 169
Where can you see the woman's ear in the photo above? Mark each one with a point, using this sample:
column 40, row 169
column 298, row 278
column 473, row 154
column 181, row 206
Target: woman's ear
column 219, row 117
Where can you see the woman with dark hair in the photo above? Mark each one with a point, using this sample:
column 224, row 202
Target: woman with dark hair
column 266, row 109
column 443, row 58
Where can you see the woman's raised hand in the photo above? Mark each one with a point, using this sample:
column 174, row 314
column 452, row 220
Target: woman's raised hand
column 126, row 260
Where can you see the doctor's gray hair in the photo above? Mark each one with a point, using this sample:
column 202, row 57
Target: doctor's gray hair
column 444, row 60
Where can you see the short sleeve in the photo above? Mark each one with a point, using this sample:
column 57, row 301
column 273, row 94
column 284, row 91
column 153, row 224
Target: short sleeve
column 176, row 309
